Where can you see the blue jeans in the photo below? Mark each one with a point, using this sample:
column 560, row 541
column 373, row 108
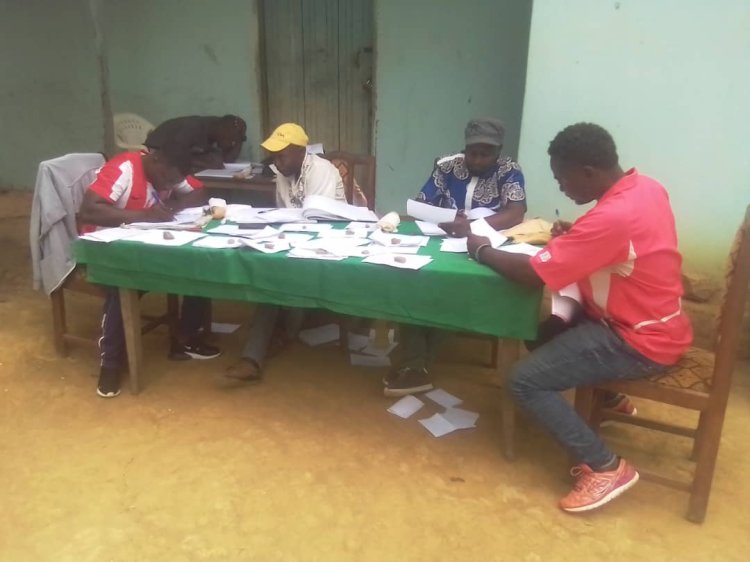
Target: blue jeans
column 589, row 353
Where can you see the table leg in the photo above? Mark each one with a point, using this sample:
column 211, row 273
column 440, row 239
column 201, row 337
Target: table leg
column 510, row 351
column 130, row 304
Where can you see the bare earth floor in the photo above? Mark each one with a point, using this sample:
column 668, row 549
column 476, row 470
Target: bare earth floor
column 307, row 466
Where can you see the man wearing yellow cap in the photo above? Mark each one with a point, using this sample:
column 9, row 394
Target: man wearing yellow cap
column 298, row 174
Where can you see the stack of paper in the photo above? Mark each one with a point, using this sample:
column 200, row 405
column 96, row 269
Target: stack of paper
column 166, row 237
column 110, row 234
column 429, row 213
column 325, row 208
column 429, row 229
column 304, row 227
column 395, row 240
column 345, row 233
column 251, row 233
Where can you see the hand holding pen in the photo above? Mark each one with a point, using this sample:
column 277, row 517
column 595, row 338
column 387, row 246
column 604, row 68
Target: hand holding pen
column 560, row 227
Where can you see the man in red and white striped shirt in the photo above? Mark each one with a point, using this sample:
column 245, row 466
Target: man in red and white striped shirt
column 143, row 187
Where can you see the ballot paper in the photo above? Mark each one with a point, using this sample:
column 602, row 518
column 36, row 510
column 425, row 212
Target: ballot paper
column 457, row 245
column 479, row 213
column 401, row 261
column 320, row 335
column 191, row 214
column 359, row 360
column 429, row 213
column 110, row 234
column 317, row 254
column 460, row 418
column 368, row 226
column 430, row 229
column 445, row 399
column 438, row 425
column 482, row 228
column 344, row 233
column 305, row 227
column 252, row 233
column 406, row 407
column 268, row 246
column 166, row 237
column 219, row 242
column 392, row 240
column 522, row 248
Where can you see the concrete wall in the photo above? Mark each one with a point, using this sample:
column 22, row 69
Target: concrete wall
column 671, row 82
column 438, row 64
column 49, row 97
column 186, row 57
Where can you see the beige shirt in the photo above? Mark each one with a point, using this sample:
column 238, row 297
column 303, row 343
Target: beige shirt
column 317, row 177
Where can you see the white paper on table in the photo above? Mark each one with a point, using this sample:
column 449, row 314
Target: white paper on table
column 482, row 228
column 522, row 248
column 566, row 302
column 294, row 237
column 325, row 208
column 430, row 229
column 401, row 261
column 438, row 425
column 343, row 233
column 281, row 215
column 320, row 335
column 305, row 227
column 252, row 233
column 358, row 360
column 479, row 213
column 406, row 407
column 357, row 341
column 218, row 242
column 393, row 240
column 368, row 226
column 366, row 251
column 176, row 224
column 429, row 213
column 457, row 245
column 223, row 328
column 269, row 246
column 191, row 214
column 337, row 246
column 319, row 254
column 460, row 418
column 445, row 399
column 110, row 234
column 156, row 237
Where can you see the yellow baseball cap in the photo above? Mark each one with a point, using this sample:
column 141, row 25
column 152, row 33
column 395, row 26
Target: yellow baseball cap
column 283, row 136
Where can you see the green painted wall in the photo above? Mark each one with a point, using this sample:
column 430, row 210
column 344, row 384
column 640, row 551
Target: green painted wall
column 49, row 98
column 438, row 64
column 185, row 57
column 671, row 82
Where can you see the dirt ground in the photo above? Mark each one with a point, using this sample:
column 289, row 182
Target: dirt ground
column 307, row 466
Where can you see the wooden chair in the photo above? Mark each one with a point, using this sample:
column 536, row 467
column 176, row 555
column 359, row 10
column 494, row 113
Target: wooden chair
column 358, row 173
column 700, row 381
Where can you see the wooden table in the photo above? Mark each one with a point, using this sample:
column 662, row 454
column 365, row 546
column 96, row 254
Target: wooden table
column 259, row 191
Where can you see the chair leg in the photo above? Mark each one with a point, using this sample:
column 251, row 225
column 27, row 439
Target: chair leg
column 697, row 440
column 59, row 327
column 708, row 448
column 584, row 402
column 595, row 415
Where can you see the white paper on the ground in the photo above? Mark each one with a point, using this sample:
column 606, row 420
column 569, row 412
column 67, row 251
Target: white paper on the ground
column 406, row 407
column 445, row 399
column 429, row 213
column 223, row 328
column 522, row 248
column 369, row 360
column 479, row 213
column 268, row 246
column 320, row 335
column 357, row 341
column 218, row 242
column 401, row 261
column 482, row 228
column 565, row 303
column 372, row 349
column 393, row 240
column 110, row 234
column 343, row 233
column 156, row 237
column 460, row 418
column 438, row 425
column 325, row 208
column 358, row 225
column 430, row 229
column 304, row 227
column 457, row 245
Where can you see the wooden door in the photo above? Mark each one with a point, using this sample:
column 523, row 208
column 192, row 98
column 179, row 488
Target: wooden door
column 318, row 65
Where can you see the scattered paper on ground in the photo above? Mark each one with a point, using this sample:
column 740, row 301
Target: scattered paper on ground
column 460, row 418
column 223, row 328
column 369, row 360
column 438, row 425
column 406, row 407
column 445, row 399
column 320, row 335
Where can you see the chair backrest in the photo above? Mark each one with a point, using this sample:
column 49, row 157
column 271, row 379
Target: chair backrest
column 731, row 312
column 358, row 173
column 131, row 130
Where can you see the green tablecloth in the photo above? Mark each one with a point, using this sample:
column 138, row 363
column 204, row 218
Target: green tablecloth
column 452, row 292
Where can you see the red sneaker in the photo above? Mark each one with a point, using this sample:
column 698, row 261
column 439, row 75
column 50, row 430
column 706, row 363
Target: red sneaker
column 594, row 489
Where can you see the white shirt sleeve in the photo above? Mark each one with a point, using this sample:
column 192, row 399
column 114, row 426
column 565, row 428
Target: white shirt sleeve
column 324, row 179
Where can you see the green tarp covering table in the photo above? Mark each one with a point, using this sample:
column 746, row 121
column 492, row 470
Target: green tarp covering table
column 452, row 292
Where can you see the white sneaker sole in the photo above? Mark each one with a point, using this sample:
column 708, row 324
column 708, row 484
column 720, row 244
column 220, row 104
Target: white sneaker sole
column 201, row 357
column 395, row 392
column 606, row 499
column 108, row 394
column 609, row 423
